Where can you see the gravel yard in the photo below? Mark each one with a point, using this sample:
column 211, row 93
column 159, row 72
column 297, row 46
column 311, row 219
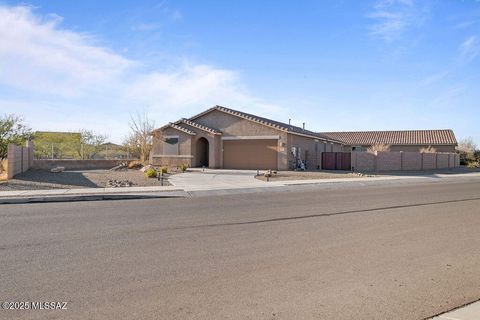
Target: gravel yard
column 305, row 175
column 43, row 179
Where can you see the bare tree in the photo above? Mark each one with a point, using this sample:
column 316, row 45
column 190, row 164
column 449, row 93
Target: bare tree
column 466, row 148
column 140, row 137
column 379, row 147
column 428, row 149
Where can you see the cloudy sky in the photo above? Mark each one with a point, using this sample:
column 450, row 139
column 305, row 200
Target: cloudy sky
column 336, row 65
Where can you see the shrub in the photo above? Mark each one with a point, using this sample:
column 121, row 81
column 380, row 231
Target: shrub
column 135, row 165
column 183, row 167
column 473, row 164
column 378, row 147
column 163, row 170
column 151, row 173
column 428, row 149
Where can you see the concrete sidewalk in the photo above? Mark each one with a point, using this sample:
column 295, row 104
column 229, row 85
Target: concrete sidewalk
column 468, row 312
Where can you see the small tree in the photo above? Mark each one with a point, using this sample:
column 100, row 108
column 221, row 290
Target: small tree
column 12, row 130
column 379, row 147
column 466, row 148
column 90, row 143
column 140, row 138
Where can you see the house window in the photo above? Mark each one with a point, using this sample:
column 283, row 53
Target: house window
column 170, row 146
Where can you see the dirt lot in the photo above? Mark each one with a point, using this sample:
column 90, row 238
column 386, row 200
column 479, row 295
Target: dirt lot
column 43, row 179
column 305, row 175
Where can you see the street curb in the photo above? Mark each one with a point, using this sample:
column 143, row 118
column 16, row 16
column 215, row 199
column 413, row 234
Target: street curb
column 93, row 197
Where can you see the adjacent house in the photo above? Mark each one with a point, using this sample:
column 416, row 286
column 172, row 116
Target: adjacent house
column 225, row 138
column 404, row 140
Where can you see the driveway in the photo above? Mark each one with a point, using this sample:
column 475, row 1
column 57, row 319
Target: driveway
column 197, row 179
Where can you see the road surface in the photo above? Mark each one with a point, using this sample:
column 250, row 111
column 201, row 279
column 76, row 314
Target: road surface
column 405, row 251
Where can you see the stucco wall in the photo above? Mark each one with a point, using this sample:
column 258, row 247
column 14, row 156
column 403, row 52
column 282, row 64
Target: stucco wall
column 71, row 164
column 170, row 161
column 442, row 160
column 411, row 148
column 412, row 161
column 363, row 161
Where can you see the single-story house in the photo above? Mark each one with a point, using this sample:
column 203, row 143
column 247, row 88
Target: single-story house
column 224, row 138
column 404, row 140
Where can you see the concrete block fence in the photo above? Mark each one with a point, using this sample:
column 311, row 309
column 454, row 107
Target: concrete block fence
column 19, row 159
column 398, row 161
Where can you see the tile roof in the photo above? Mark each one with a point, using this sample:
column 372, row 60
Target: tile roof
column 403, row 137
column 176, row 126
column 198, row 126
column 268, row 122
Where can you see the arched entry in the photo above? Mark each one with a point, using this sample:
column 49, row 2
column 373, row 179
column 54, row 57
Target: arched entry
column 202, row 152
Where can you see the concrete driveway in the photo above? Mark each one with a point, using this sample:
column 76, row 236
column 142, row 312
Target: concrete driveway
column 215, row 179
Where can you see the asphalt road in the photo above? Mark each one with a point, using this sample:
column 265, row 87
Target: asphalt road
column 370, row 252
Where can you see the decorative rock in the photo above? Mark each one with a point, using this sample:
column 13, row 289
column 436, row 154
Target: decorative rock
column 145, row 168
column 121, row 166
column 57, row 169
column 118, row 183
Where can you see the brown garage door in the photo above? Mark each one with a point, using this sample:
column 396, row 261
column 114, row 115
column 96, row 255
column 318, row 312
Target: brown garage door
column 250, row 154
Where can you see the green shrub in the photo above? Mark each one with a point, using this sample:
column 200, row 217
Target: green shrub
column 183, row 167
column 163, row 170
column 151, row 173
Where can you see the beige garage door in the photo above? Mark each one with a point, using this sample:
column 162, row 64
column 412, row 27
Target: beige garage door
column 250, row 154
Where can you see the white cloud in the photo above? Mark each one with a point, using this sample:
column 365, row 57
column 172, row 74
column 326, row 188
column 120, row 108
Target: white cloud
column 394, row 17
column 469, row 49
column 82, row 84
column 36, row 55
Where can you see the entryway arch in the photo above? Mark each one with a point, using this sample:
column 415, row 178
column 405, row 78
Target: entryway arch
column 202, row 152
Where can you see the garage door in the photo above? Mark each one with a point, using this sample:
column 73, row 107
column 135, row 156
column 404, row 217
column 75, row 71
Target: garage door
column 250, row 154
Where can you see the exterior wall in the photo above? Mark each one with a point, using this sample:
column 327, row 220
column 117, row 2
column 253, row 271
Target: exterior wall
column 363, row 161
column 70, row 164
column 389, row 161
column 410, row 148
column 170, row 161
column 412, row 161
column 19, row 159
column 417, row 148
column 311, row 150
column 395, row 161
column 184, row 149
column 429, row 161
column 442, row 160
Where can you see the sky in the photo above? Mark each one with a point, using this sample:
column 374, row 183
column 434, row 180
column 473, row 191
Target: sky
column 336, row 65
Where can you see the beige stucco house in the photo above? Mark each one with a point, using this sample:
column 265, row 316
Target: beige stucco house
column 224, row 138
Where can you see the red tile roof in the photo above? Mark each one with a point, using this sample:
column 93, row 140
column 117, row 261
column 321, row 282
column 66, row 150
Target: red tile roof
column 404, row 137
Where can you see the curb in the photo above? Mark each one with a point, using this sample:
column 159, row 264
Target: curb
column 94, row 197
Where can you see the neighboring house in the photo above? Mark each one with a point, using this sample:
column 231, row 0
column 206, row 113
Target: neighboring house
column 224, row 138
column 405, row 140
